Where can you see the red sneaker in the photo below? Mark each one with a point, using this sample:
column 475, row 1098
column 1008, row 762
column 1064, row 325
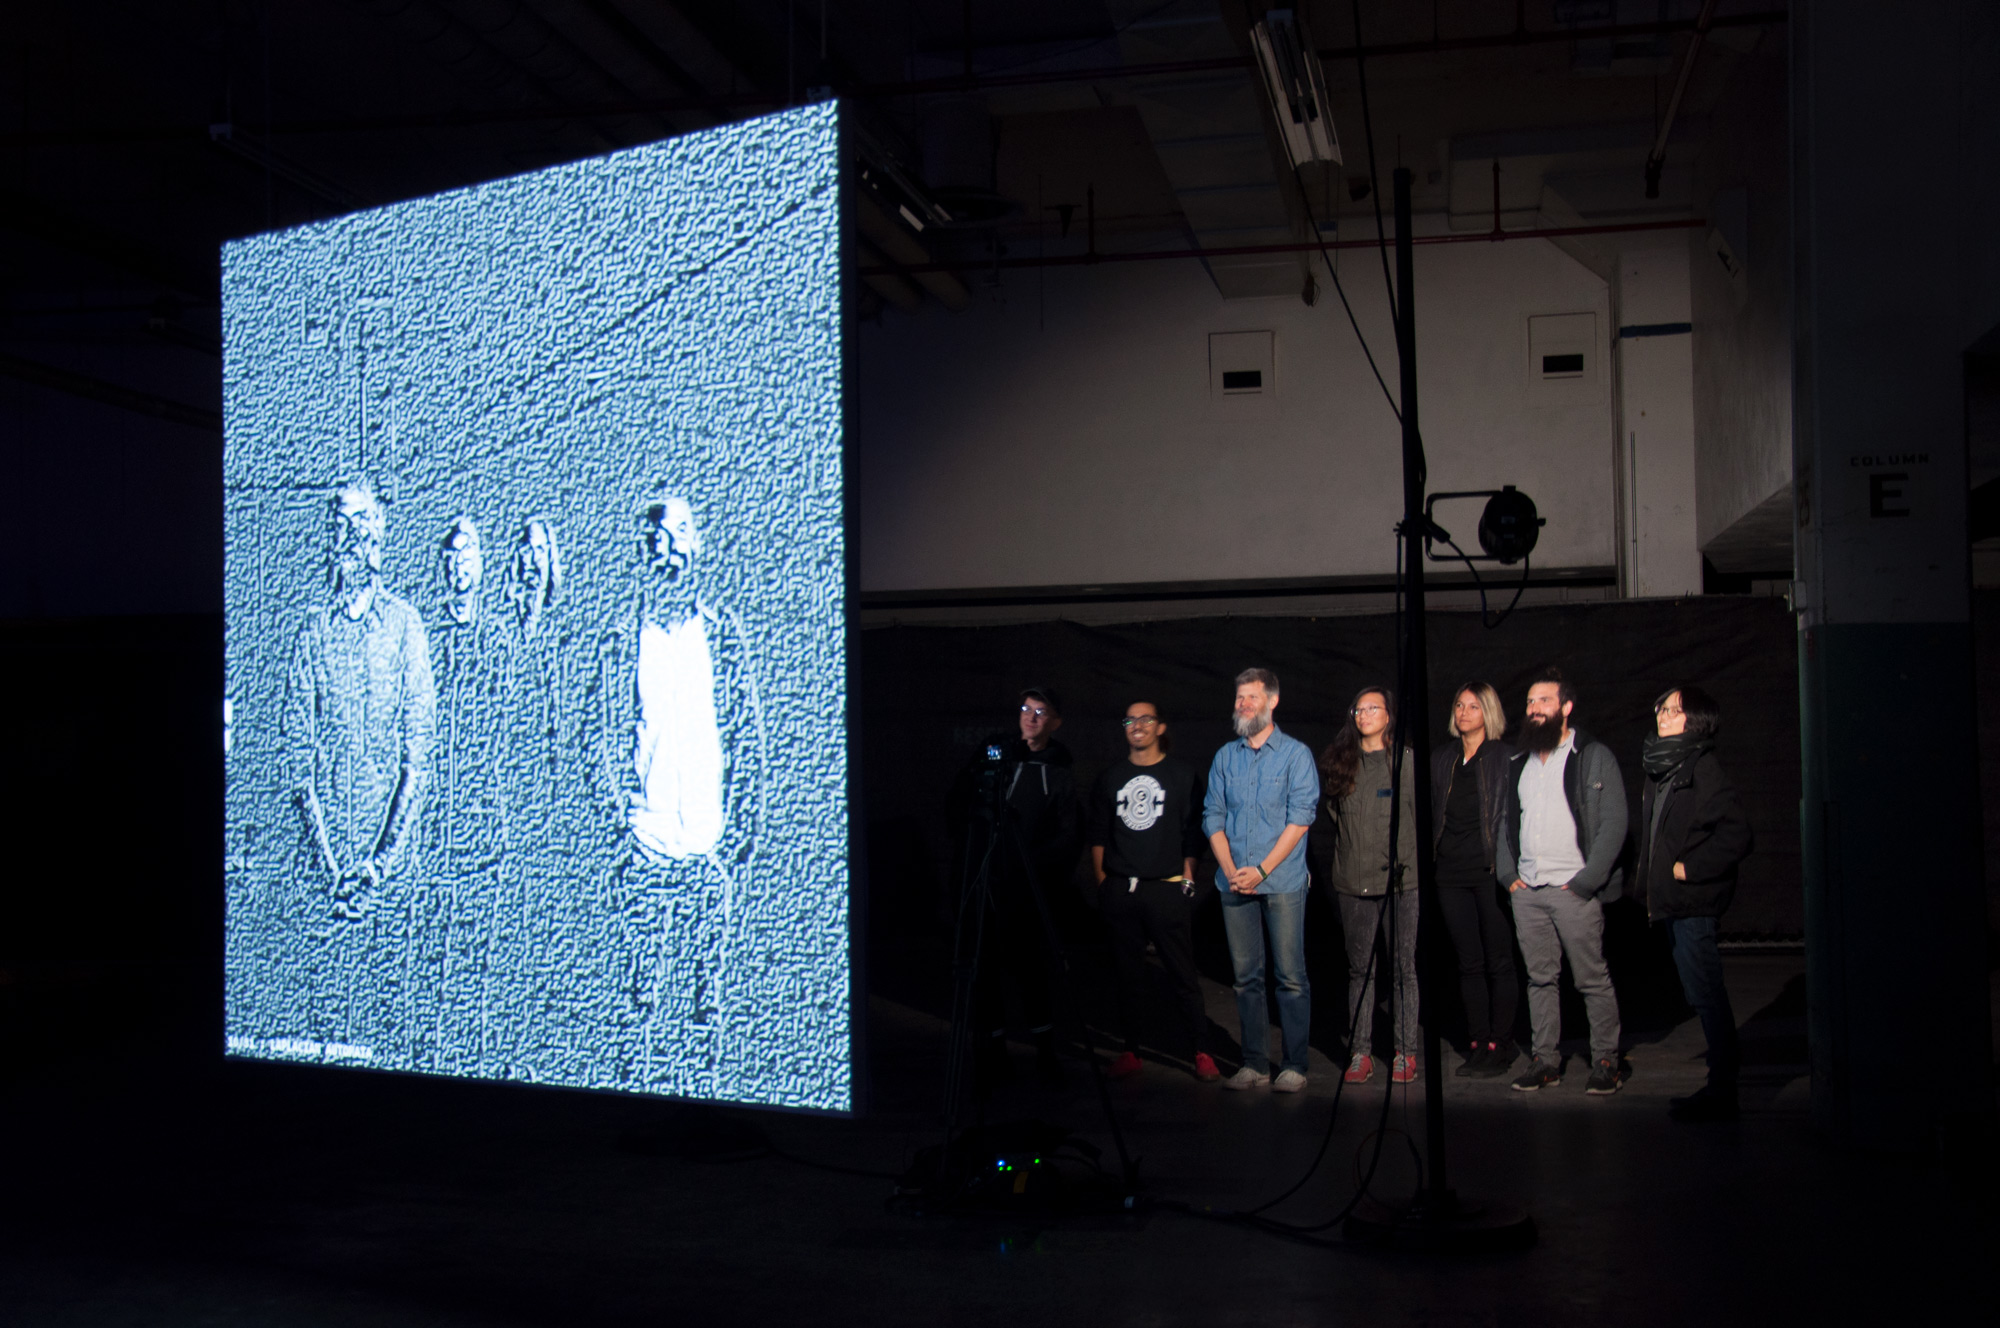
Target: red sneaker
column 1360, row 1069
column 1204, row 1068
column 1403, row 1069
column 1125, row 1066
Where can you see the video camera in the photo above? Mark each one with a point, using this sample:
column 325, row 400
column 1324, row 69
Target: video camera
column 991, row 780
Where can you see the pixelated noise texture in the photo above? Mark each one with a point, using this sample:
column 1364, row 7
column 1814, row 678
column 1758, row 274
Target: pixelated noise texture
column 535, row 552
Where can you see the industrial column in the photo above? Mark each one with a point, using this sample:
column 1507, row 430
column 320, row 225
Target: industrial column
column 1895, row 912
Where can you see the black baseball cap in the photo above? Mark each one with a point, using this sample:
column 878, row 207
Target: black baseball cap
column 1046, row 695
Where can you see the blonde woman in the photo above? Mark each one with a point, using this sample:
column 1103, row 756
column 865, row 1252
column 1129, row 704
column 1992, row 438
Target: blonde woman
column 1469, row 791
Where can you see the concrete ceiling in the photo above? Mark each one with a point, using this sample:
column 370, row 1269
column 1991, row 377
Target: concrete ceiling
column 118, row 190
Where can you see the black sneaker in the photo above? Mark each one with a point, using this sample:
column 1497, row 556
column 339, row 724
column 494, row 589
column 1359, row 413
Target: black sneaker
column 1473, row 1063
column 1707, row 1105
column 1499, row 1061
column 1604, row 1079
column 1539, row 1074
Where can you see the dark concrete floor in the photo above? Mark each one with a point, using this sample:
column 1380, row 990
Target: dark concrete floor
column 138, row 1191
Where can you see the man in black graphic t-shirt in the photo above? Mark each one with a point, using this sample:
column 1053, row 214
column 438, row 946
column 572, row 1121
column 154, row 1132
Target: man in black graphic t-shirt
column 1145, row 833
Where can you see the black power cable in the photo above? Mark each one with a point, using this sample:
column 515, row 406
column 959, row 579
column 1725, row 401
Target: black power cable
column 1341, row 291
column 1374, row 183
column 1489, row 621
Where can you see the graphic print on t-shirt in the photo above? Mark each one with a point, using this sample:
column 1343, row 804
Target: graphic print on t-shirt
column 1141, row 802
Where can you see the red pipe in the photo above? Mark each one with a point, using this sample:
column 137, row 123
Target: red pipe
column 1156, row 255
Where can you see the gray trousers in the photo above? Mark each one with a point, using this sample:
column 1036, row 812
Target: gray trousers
column 1551, row 923
column 1359, row 917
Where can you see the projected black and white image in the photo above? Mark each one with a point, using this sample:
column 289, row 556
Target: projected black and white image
column 536, row 662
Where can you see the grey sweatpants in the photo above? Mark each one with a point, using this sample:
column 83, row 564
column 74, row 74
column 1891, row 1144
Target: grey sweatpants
column 1552, row 923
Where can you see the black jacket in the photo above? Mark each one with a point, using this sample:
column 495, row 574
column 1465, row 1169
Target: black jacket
column 1702, row 826
column 1040, row 793
column 1489, row 764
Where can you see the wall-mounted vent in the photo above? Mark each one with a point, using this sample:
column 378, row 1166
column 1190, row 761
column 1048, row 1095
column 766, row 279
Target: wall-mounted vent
column 1562, row 348
column 1240, row 363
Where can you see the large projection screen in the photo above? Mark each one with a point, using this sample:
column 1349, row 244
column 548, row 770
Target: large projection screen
column 536, row 577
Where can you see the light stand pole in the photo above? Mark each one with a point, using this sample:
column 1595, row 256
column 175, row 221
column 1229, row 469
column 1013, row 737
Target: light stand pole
column 1438, row 1219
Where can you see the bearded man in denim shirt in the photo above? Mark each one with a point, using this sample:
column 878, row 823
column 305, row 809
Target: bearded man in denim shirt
column 1263, row 790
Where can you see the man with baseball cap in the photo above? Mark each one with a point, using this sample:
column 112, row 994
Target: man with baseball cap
column 1037, row 789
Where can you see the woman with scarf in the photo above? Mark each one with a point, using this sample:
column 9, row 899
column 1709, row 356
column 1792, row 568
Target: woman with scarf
column 1692, row 836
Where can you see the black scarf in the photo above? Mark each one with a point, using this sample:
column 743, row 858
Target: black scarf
column 1661, row 757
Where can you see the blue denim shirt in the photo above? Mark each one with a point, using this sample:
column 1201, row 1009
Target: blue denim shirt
column 1253, row 794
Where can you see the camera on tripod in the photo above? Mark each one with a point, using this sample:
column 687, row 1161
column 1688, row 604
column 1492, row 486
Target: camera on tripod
column 992, row 781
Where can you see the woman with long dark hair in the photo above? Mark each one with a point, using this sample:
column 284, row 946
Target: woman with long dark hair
column 1692, row 836
column 1355, row 778
column 1469, row 794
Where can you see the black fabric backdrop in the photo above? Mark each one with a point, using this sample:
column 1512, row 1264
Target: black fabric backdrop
column 930, row 694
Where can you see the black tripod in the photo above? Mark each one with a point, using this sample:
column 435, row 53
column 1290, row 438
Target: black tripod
column 1007, row 1165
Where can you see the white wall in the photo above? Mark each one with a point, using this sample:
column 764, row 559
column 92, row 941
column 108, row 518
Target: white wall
column 1743, row 325
column 1069, row 436
column 1656, row 418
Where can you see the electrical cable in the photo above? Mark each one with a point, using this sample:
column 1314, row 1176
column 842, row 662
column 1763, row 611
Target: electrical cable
column 1341, row 291
column 1489, row 622
column 1117, row 31
column 1253, row 1216
column 1374, row 182
column 834, row 1167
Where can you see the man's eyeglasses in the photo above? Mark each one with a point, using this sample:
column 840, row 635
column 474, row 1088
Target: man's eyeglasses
column 1037, row 711
column 1140, row 721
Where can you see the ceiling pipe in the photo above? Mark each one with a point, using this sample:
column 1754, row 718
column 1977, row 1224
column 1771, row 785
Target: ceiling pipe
column 1160, row 255
column 1656, row 160
column 110, row 394
column 885, row 278
column 757, row 101
column 906, row 257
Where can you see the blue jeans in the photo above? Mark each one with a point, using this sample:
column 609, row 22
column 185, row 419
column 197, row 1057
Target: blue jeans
column 1247, row 919
column 1700, row 965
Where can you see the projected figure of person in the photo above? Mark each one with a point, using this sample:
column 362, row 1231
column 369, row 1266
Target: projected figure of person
column 359, row 714
column 536, row 579
column 538, row 686
column 464, row 825
column 684, row 756
column 676, row 812
column 532, row 948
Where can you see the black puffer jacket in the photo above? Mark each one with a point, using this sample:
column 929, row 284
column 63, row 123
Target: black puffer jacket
column 1489, row 764
column 1702, row 827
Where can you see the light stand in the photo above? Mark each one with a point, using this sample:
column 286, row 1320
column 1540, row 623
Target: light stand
column 1439, row 1219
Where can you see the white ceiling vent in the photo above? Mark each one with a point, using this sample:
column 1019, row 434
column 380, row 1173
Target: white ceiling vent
column 1562, row 348
column 1240, row 364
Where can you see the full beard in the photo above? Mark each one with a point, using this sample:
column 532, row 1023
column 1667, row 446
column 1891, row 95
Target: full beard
column 1249, row 726
column 1541, row 735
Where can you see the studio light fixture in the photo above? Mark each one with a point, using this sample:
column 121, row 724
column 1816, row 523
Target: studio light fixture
column 1509, row 526
column 1289, row 67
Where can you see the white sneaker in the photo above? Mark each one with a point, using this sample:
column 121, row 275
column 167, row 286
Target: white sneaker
column 1245, row 1078
column 1289, row 1081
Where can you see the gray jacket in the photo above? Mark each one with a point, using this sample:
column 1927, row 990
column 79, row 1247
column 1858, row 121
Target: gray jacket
column 1361, row 853
column 1596, row 794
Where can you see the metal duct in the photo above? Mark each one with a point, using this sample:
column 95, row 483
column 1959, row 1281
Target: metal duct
column 1210, row 130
